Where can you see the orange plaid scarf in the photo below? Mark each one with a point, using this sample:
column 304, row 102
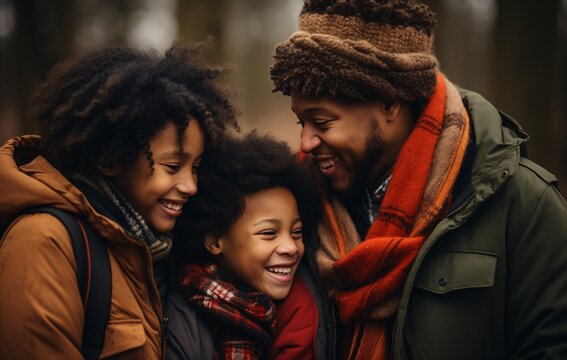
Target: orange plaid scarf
column 365, row 278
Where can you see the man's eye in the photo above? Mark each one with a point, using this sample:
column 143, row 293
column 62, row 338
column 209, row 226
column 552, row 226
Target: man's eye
column 322, row 124
column 300, row 123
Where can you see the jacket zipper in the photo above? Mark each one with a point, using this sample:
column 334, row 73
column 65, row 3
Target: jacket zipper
column 464, row 204
column 333, row 333
column 392, row 356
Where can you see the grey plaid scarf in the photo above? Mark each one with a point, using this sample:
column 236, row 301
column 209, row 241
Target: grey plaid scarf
column 137, row 226
column 159, row 246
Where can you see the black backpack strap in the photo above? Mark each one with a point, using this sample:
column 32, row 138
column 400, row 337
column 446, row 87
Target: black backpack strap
column 93, row 277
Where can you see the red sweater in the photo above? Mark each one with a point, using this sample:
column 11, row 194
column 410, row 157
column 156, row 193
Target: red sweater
column 297, row 320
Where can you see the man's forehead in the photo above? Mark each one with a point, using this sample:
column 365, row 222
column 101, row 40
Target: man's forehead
column 305, row 103
column 301, row 100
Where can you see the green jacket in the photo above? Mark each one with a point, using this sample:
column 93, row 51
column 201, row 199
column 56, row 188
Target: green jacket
column 490, row 282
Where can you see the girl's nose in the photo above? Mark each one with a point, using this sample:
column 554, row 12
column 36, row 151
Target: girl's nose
column 288, row 246
column 188, row 184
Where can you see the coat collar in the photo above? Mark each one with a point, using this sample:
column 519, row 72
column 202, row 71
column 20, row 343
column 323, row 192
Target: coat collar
column 499, row 144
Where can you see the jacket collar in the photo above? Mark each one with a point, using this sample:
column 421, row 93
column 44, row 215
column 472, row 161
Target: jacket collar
column 499, row 143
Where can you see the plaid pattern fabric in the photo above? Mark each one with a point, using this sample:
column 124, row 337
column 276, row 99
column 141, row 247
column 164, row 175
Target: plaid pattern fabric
column 243, row 321
column 366, row 277
column 373, row 202
column 159, row 244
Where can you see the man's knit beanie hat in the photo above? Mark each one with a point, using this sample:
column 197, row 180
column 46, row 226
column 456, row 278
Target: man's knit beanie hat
column 358, row 51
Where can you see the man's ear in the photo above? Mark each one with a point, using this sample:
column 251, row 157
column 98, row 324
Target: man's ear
column 391, row 110
column 213, row 244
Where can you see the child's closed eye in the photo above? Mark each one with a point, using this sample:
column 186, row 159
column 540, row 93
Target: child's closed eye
column 267, row 234
column 172, row 167
column 297, row 233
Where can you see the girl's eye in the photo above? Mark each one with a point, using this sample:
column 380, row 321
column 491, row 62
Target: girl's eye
column 195, row 168
column 172, row 167
column 268, row 234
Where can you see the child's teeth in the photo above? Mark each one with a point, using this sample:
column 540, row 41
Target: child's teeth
column 171, row 205
column 280, row 270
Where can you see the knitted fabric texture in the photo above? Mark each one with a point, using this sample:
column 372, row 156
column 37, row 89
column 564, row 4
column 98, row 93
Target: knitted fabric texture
column 365, row 278
column 243, row 322
column 159, row 246
column 359, row 50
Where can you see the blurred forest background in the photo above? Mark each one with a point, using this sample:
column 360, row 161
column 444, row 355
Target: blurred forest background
column 514, row 52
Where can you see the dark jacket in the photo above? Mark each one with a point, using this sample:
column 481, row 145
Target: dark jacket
column 490, row 282
column 188, row 335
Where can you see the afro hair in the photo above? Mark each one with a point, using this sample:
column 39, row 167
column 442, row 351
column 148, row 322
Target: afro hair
column 104, row 107
column 228, row 174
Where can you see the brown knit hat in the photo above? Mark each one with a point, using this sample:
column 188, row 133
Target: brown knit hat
column 359, row 50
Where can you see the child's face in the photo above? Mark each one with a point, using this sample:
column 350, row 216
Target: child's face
column 263, row 248
column 159, row 196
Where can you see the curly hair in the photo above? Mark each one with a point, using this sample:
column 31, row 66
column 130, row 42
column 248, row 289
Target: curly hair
column 229, row 173
column 395, row 13
column 104, row 107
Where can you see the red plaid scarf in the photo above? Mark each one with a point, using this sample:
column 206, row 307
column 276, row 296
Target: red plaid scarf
column 242, row 322
column 366, row 277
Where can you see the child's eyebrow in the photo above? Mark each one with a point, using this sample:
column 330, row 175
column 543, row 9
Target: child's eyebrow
column 297, row 220
column 272, row 221
column 176, row 153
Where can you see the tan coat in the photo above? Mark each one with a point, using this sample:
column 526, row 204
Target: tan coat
column 41, row 313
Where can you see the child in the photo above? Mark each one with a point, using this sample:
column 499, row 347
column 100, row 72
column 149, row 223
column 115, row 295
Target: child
column 122, row 133
column 243, row 243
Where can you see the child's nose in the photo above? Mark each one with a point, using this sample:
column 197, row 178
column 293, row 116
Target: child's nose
column 288, row 246
column 188, row 185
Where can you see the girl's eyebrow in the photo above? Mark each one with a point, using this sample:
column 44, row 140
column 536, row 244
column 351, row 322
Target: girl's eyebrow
column 271, row 221
column 174, row 153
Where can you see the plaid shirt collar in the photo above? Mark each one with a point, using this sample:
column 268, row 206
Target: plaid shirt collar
column 373, row 202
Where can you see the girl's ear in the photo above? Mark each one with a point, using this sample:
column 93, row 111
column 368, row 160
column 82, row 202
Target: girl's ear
column 108, row 169
column 213, row 244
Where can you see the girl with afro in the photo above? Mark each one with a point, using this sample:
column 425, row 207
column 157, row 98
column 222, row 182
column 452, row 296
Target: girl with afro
column 244, row 290
column 121, row 138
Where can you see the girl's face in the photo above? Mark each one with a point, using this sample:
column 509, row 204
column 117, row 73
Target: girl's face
column 263, row 248
column 159, row 196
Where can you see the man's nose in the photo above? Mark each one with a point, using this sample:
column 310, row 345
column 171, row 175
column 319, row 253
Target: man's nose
column 309, row 139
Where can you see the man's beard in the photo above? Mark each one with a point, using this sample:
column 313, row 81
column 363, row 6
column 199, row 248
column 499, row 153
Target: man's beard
column 361, row 169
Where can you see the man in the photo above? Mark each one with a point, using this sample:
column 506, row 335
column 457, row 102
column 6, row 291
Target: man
column 441, row 240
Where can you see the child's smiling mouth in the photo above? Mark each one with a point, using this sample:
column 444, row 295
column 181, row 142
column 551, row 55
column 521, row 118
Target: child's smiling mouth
column 172, row 207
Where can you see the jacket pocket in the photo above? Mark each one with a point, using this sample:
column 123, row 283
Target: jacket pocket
column 446, row 271
column 123, row 336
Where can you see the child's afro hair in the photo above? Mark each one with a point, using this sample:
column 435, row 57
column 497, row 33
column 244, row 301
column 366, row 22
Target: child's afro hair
column 104, row 107
column 228, row 174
